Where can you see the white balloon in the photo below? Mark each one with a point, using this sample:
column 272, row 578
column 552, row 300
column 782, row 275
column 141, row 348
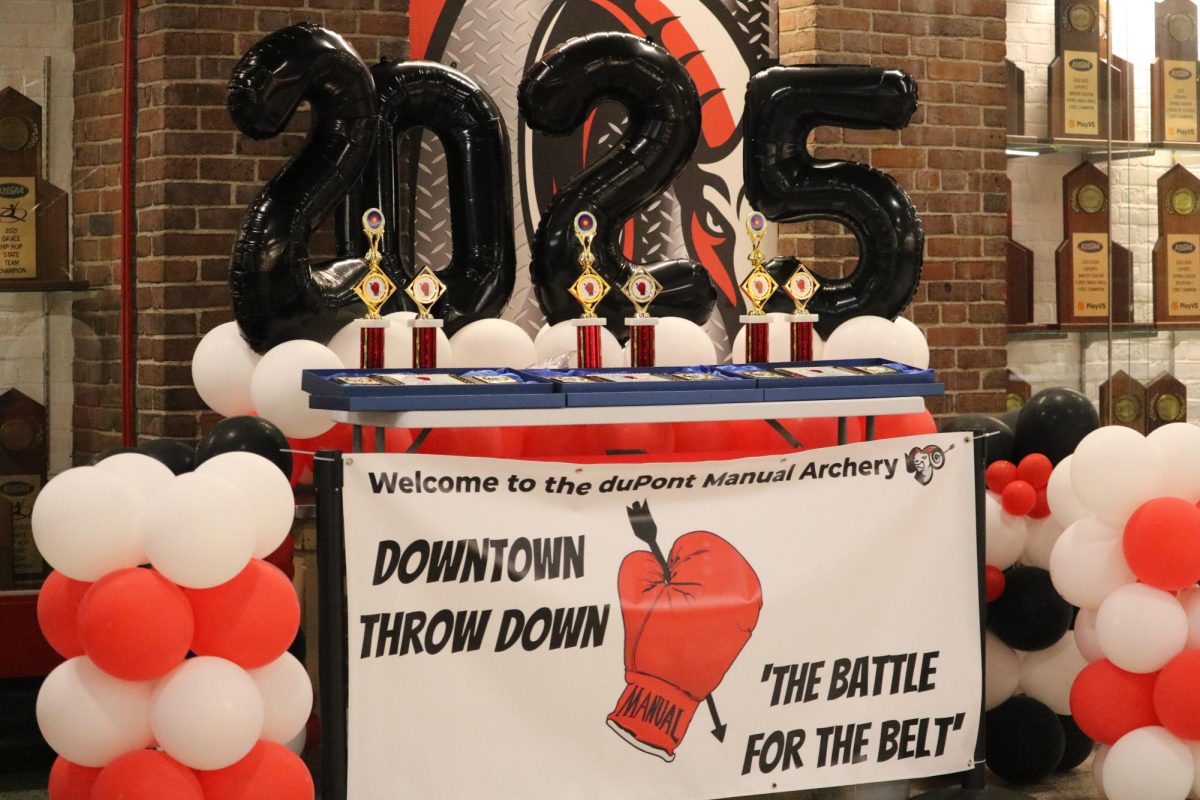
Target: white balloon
column 87, row 522
column 147, row 475
column 1195, row 748
column 445, row 352
column 1085, row 635
column 869, row 337
column 201, row 532
column 1098, row 766
column 89, row 717
column 296, row 743
column 1141, row 628
column 1087, row 563
column 558, row 341
column 1047, row 675
column 1065, row 507
column 287, row 697
column 679, row 342
column 917, row 345
column 268, row 495
column 1043, row 534
column 1190, row 600
column 1002, row 671
column 1178, row 445
column 221, row 370
column 493, row 343
column 397, row 344
column 277, row 393
column 1114, row 470
column 1148, row 764
column 1005, row 534
column 208, row 713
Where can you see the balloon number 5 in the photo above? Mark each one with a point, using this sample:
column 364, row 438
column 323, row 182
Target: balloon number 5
column 787, row 184
column 555, row 97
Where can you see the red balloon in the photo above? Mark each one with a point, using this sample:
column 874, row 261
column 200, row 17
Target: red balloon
column 651, row 438
column 1018, row 498
column 552, row 442
column 895, row 426
column 268, row 772
column 1000, row 474
column 703, row 437
column 1107, row 702
column 339, row 437
column 1162, row 543
column 1035, row 470
column 993, row 583
column 135, row 624
column 397, row 440
column 1041, row 509
column 1177, row 695
column 482, row 442
column 69, row 781
column 58, row 613
column 249, row 620
column 146, row 775
column 283, row 557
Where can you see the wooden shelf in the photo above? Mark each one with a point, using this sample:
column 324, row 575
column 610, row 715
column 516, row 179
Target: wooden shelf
column 1100, row 327
column 1030, row 145
column 43, row 286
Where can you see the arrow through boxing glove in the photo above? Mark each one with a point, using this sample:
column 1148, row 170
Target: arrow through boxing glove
column 683, row 631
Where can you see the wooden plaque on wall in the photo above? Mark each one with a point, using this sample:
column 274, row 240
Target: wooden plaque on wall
column 1123, row 402
column 1078, row 108
column 1166, row 401
column 1016, row 99
column 1019, row 275
column 1176, row 254
column 1094, row 275
column 1173, row 75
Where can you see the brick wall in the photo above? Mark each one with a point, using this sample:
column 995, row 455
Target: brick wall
column 950, row 160
column 195, row 176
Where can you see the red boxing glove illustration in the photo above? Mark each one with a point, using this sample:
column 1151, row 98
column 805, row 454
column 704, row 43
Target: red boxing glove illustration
column 686, row 617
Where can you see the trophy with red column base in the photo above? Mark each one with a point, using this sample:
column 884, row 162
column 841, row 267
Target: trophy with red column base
column 374, row 290
column 589, row 289
column 641, row 289
column 425, row 290
column 801, row 287
column 758, row 287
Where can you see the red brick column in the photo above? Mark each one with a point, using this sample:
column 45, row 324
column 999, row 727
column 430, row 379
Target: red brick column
column 950, row 160
column 195, row 174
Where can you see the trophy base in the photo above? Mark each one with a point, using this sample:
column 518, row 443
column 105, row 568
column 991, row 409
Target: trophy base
column 585, row 322
column 801, row 318
column 419, row 322
column 641, row 322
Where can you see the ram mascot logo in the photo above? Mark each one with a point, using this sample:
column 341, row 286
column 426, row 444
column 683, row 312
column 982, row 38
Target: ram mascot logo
column 922, row 462
column 719, row 43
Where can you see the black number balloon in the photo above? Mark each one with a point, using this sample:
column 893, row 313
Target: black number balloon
column 555, row 97
column 482, row 270
column 278, row 293
column 787, row 184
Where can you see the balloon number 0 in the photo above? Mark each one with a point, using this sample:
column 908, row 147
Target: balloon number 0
column 787, row 184
column 555, row 97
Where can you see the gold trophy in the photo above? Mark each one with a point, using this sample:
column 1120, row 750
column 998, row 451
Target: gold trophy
column 589, row 289
column 758, row 287
column 374, row 290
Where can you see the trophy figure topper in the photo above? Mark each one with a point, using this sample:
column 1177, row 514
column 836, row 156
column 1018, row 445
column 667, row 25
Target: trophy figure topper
column 374, row 290
column 801, row 287
column 641, row 289
column 758, row 287
column 425, row 290
column 589, row 289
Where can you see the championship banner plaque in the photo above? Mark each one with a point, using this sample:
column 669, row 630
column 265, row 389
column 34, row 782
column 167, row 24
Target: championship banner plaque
column 1173, row 75
column 1088, row 290
column 1076, row 107
column 18, row 227
column 1123, row 402
column 630, row 631
column 1176, row 254
column 1166, row 401
column 33, row 212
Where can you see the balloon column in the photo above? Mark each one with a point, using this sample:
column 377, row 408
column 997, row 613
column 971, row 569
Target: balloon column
column 128, row 713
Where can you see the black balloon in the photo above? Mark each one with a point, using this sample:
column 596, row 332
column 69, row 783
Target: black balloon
column 1053, row 423
column 1030, row 614
column 482, row 270
column 248, row 434
column 299, row 645
column 1009, row 418
column 1024, row 740
column 177, row 456
column 555, row 97
column 787, row 184
column 112, row 451
column 278, row 293
column 998, row 446
column 1078, row 745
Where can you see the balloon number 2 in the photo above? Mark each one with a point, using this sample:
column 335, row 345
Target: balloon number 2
column 787, row 184
column 555, row 97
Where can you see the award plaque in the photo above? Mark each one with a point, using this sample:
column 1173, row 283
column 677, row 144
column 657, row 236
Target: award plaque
column 1173, row 74
column 1019, row 275
column 24, row 457
column 1016, row 99
column 1076, row 99
column 1176, row 254
column 1123, row 402
column 1166, row 401
column 33, row 212
column 1017, row 393
column 1090, row 289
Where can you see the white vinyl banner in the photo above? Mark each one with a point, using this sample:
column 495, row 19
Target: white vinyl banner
column 666, row 630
